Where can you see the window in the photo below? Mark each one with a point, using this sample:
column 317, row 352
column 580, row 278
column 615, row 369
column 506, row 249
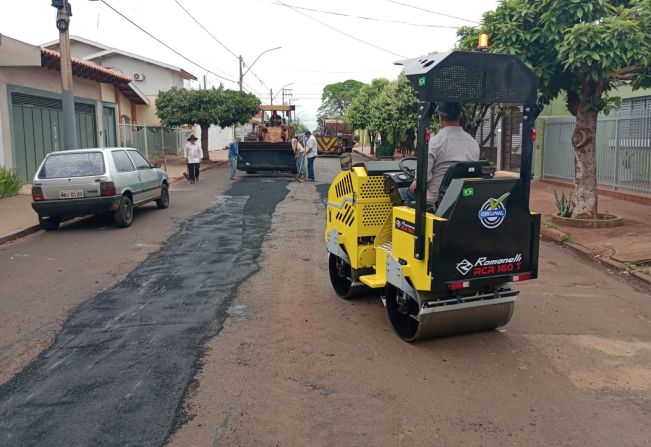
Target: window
column 73, row 165
column 122, row 161
column 140, row 161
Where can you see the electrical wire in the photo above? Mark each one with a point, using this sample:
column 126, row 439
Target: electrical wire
column 340, row 31
column 164, row 44
column 374, row 19
column 204, row 28
column 216, row 40
column 432, row 12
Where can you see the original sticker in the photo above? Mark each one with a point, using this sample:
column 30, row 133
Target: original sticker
column 492, row 212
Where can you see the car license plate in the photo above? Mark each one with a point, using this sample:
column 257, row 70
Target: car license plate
column 71, row 194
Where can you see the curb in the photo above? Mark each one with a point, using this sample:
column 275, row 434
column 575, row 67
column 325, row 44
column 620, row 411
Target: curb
column 565, row 239
column 18, row 234
column 363, row 154
column 34, row 228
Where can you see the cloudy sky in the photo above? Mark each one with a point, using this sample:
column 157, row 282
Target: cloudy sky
column 318, row 48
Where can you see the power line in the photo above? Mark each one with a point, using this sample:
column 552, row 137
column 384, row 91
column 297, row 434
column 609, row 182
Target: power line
column 204, row 28
column 432, row 12
column 374, row 19
column 164, row 44
column 217, row 40
column 341, row 32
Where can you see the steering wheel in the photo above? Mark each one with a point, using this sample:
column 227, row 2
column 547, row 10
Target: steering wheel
column 407, row 171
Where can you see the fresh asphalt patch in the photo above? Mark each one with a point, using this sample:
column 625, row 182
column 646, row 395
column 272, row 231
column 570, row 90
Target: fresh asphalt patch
column 118, row 371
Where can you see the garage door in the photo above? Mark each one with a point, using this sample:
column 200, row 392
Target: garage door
column 37, row 129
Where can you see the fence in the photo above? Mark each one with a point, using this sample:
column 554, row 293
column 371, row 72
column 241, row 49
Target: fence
column 623, row 147
column 153, row 140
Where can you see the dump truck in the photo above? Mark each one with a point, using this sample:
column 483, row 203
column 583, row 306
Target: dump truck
column 449, row 267
column 268, row 146
column 335, row 139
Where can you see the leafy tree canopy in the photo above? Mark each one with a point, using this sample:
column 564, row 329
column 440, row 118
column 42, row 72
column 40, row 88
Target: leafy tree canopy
column 178, row 106
column 582, row 48
column 336, row 98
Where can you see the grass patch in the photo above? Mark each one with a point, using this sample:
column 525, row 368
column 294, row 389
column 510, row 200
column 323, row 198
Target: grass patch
column 9, row 183
column 566, row 239
column 639, row 268
column 549, row 225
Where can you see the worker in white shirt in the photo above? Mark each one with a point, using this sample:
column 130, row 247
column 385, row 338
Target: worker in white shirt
column 310, row 155
column 193, row 155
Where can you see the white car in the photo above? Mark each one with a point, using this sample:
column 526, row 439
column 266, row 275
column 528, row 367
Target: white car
column 93, row 181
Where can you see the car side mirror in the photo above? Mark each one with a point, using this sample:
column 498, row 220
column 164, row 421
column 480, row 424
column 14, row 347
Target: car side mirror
column 156, row 165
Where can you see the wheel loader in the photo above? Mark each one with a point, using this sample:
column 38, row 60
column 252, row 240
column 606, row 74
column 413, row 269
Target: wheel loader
column 449, row 267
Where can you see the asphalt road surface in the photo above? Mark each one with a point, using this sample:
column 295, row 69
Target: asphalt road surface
column 230, row 334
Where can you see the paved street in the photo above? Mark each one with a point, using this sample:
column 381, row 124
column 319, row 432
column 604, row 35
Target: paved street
column 214, row 323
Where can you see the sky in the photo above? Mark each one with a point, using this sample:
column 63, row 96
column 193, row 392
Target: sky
column 317, row 48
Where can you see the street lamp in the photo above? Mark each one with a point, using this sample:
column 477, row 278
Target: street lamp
column 64, row 12
column 256, row 60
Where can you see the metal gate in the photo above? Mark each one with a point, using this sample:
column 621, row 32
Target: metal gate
column 37, row 129
column 623, row 146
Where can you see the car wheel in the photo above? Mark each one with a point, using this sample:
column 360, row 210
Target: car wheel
column 49, row 223
column 164, row 200
column 124, row 215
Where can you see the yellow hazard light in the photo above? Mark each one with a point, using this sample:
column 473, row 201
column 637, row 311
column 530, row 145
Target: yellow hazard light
column 482, row 45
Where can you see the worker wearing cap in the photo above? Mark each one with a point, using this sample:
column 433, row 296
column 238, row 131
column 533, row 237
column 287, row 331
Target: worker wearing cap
column 452, row 144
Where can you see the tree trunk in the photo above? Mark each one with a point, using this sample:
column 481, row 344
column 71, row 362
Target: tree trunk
column 371, row 135
column 204, row 140
column 585, row 164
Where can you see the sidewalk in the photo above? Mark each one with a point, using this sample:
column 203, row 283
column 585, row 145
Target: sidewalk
column 17, row 218
column 626, row 248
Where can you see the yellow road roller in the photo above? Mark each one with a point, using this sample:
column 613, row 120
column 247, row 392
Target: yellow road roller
column 449, row 267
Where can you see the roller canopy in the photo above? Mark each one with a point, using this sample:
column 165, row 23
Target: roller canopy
column 483, row 78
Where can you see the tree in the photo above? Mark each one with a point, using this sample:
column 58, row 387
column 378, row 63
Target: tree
column 336, row 98
column 583, row 49
column 218, row 106
column 299, row 126
column 358, row 115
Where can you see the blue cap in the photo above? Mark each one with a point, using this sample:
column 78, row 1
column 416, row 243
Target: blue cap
column 450, row 109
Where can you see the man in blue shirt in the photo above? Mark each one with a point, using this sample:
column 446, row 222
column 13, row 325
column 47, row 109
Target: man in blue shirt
column 233, row 156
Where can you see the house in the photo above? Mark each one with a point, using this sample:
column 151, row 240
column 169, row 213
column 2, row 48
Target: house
column 150, row 76
column 31, row 112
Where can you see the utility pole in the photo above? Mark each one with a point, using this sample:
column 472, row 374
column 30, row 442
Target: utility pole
column 64, row 12
column 204, row 82
column 241, row 75
column 271, row 96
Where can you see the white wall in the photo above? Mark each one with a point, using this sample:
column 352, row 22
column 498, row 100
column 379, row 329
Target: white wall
column 218, row 138
column 156, row 78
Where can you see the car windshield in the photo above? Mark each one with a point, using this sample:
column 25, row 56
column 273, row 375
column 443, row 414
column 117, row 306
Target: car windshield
column 72, row 165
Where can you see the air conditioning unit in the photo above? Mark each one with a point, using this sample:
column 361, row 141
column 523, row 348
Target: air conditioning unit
column 138, row 77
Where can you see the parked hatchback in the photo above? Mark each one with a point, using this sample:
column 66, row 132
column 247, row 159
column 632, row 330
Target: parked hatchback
column 94, row 181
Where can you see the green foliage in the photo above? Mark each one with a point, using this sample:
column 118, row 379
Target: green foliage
column 336, row 98
column 579, row 46
column 385, row 150
column 566, row 239
column 9, row 183
column 549, row 224
column 635, row 267
column 219, row 106
column 388, row 108
column 358, row 115
column 563, row 205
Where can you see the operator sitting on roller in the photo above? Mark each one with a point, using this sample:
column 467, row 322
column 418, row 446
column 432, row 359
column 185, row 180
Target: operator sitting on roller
column 450, row 145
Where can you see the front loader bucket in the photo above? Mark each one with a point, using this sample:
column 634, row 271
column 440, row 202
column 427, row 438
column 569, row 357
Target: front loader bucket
column 263, row 156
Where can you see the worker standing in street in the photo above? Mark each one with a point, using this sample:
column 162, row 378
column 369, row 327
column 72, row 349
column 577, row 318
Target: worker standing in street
column 299, row 154
column 310, row 155
column 234, row 155
column 193, row 155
